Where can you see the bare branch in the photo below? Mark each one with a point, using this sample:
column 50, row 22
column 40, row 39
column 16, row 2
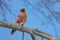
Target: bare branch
column 32, row 32
column 4, row 6
column 33, row 36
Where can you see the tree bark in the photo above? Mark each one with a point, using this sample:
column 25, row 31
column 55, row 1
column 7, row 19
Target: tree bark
column 32, row 32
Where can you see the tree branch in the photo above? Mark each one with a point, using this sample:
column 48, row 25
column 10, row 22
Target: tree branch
column 32, row 32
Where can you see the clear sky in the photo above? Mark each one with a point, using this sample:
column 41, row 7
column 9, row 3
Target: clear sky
column 35, row 19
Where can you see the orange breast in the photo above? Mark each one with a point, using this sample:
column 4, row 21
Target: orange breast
column 21, row 18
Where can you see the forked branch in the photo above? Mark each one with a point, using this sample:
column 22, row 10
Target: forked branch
column 32, row 32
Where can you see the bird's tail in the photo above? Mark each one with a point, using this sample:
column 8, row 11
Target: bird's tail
column 13, row 31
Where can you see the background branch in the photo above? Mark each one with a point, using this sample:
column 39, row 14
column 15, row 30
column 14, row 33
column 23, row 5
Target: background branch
column 32, row 32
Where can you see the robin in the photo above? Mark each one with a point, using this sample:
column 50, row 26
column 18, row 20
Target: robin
column 21, row 19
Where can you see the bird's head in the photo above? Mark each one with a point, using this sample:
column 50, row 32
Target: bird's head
column 22, row 10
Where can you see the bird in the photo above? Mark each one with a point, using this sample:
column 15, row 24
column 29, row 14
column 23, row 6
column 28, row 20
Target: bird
column 21, row 19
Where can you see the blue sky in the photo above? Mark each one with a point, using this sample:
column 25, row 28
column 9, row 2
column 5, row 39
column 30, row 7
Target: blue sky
column 35, row 19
